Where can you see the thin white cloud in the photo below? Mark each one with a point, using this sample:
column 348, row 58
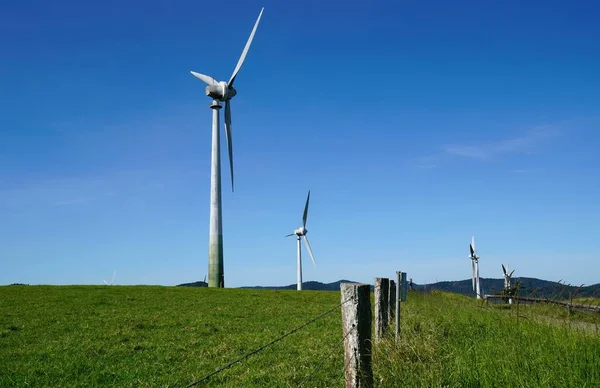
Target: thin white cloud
column 75, row 191
column 74, row 201
column 525, row 144
column 526, row 170
column 528, row 143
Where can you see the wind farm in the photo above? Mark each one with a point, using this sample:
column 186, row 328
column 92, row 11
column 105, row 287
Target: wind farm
column 403, row 130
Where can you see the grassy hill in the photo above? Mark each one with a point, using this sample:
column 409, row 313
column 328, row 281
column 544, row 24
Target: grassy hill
column 171, row 336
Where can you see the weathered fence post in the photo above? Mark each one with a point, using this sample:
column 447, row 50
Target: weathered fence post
column 356, row 322
column 398, row 300
column 382, row 287
column 402, row 283
column 391, row 301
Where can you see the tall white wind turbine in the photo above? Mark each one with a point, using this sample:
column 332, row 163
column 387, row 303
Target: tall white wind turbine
column 220, row 92
column 301, row 233
column 475, row 267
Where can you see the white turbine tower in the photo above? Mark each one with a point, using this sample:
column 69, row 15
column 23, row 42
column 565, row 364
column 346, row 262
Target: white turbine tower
column 112, row 281
column 301, row 233
column 507, row 277
column 475, row 267
column 220, row 92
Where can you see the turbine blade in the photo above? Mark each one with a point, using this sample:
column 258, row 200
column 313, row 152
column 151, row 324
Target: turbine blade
column 503, row 269
column 310, row 250
column 473, row 243
column 228, row 136
column 206, row 78
column 105, row 282
column 291, row 234
column 305, row 210
column 471, row 249
column 511, row 273
column 245, row 52
column 113, row 278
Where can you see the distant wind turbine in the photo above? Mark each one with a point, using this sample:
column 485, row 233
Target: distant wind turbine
column 113, row 279
column 507, row 277
column 220, row 92
column 301, row 233
column 475, row 267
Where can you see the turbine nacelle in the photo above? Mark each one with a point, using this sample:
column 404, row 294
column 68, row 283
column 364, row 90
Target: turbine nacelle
column 301, row 231
column 220, row 91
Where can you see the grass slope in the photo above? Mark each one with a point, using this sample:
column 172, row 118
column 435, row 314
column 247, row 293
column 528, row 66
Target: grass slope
column 163, row 336
column 171, row 336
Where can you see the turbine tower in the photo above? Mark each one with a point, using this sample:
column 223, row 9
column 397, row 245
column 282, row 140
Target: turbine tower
column 220, row 92
column 475, row 267
column 301, row 233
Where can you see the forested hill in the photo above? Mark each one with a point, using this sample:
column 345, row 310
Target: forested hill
column 527, row 287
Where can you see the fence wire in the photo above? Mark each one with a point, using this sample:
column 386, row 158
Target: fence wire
column 346, row 365
column 257, row 350
column 327, row 357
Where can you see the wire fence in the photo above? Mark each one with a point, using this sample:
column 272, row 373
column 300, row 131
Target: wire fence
column 332, row 350
column 274, row 341
column 561, row 294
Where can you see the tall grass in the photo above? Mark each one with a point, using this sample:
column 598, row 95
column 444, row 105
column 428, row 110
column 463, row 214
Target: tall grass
column 453, row 341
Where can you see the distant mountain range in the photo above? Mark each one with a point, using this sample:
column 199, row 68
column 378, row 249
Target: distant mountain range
column 528, row 287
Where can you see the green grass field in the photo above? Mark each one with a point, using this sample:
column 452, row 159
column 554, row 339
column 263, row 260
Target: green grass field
column 172, row 336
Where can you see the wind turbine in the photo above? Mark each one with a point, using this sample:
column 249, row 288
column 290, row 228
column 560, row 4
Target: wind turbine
column 301, row 232
column 507, row 277
column 475, row 267
column 220, row 92
column 113, row 279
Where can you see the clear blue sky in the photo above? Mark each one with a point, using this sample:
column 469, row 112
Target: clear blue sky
column 414, row 124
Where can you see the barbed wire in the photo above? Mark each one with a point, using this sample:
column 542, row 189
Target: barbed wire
column 257, row 350
column 331, row 352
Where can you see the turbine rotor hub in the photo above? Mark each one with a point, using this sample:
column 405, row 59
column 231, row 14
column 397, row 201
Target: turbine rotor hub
column 300, row 231
column 220, row 91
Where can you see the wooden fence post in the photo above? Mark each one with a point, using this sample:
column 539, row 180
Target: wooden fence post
column 382, row 287
column 356, row 322
column 391, row 301
column 403, row 286
column 398, row 300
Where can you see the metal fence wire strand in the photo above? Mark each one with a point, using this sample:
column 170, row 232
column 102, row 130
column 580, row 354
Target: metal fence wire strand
column 331, row 352
column 348, row 363
column 221, row 369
